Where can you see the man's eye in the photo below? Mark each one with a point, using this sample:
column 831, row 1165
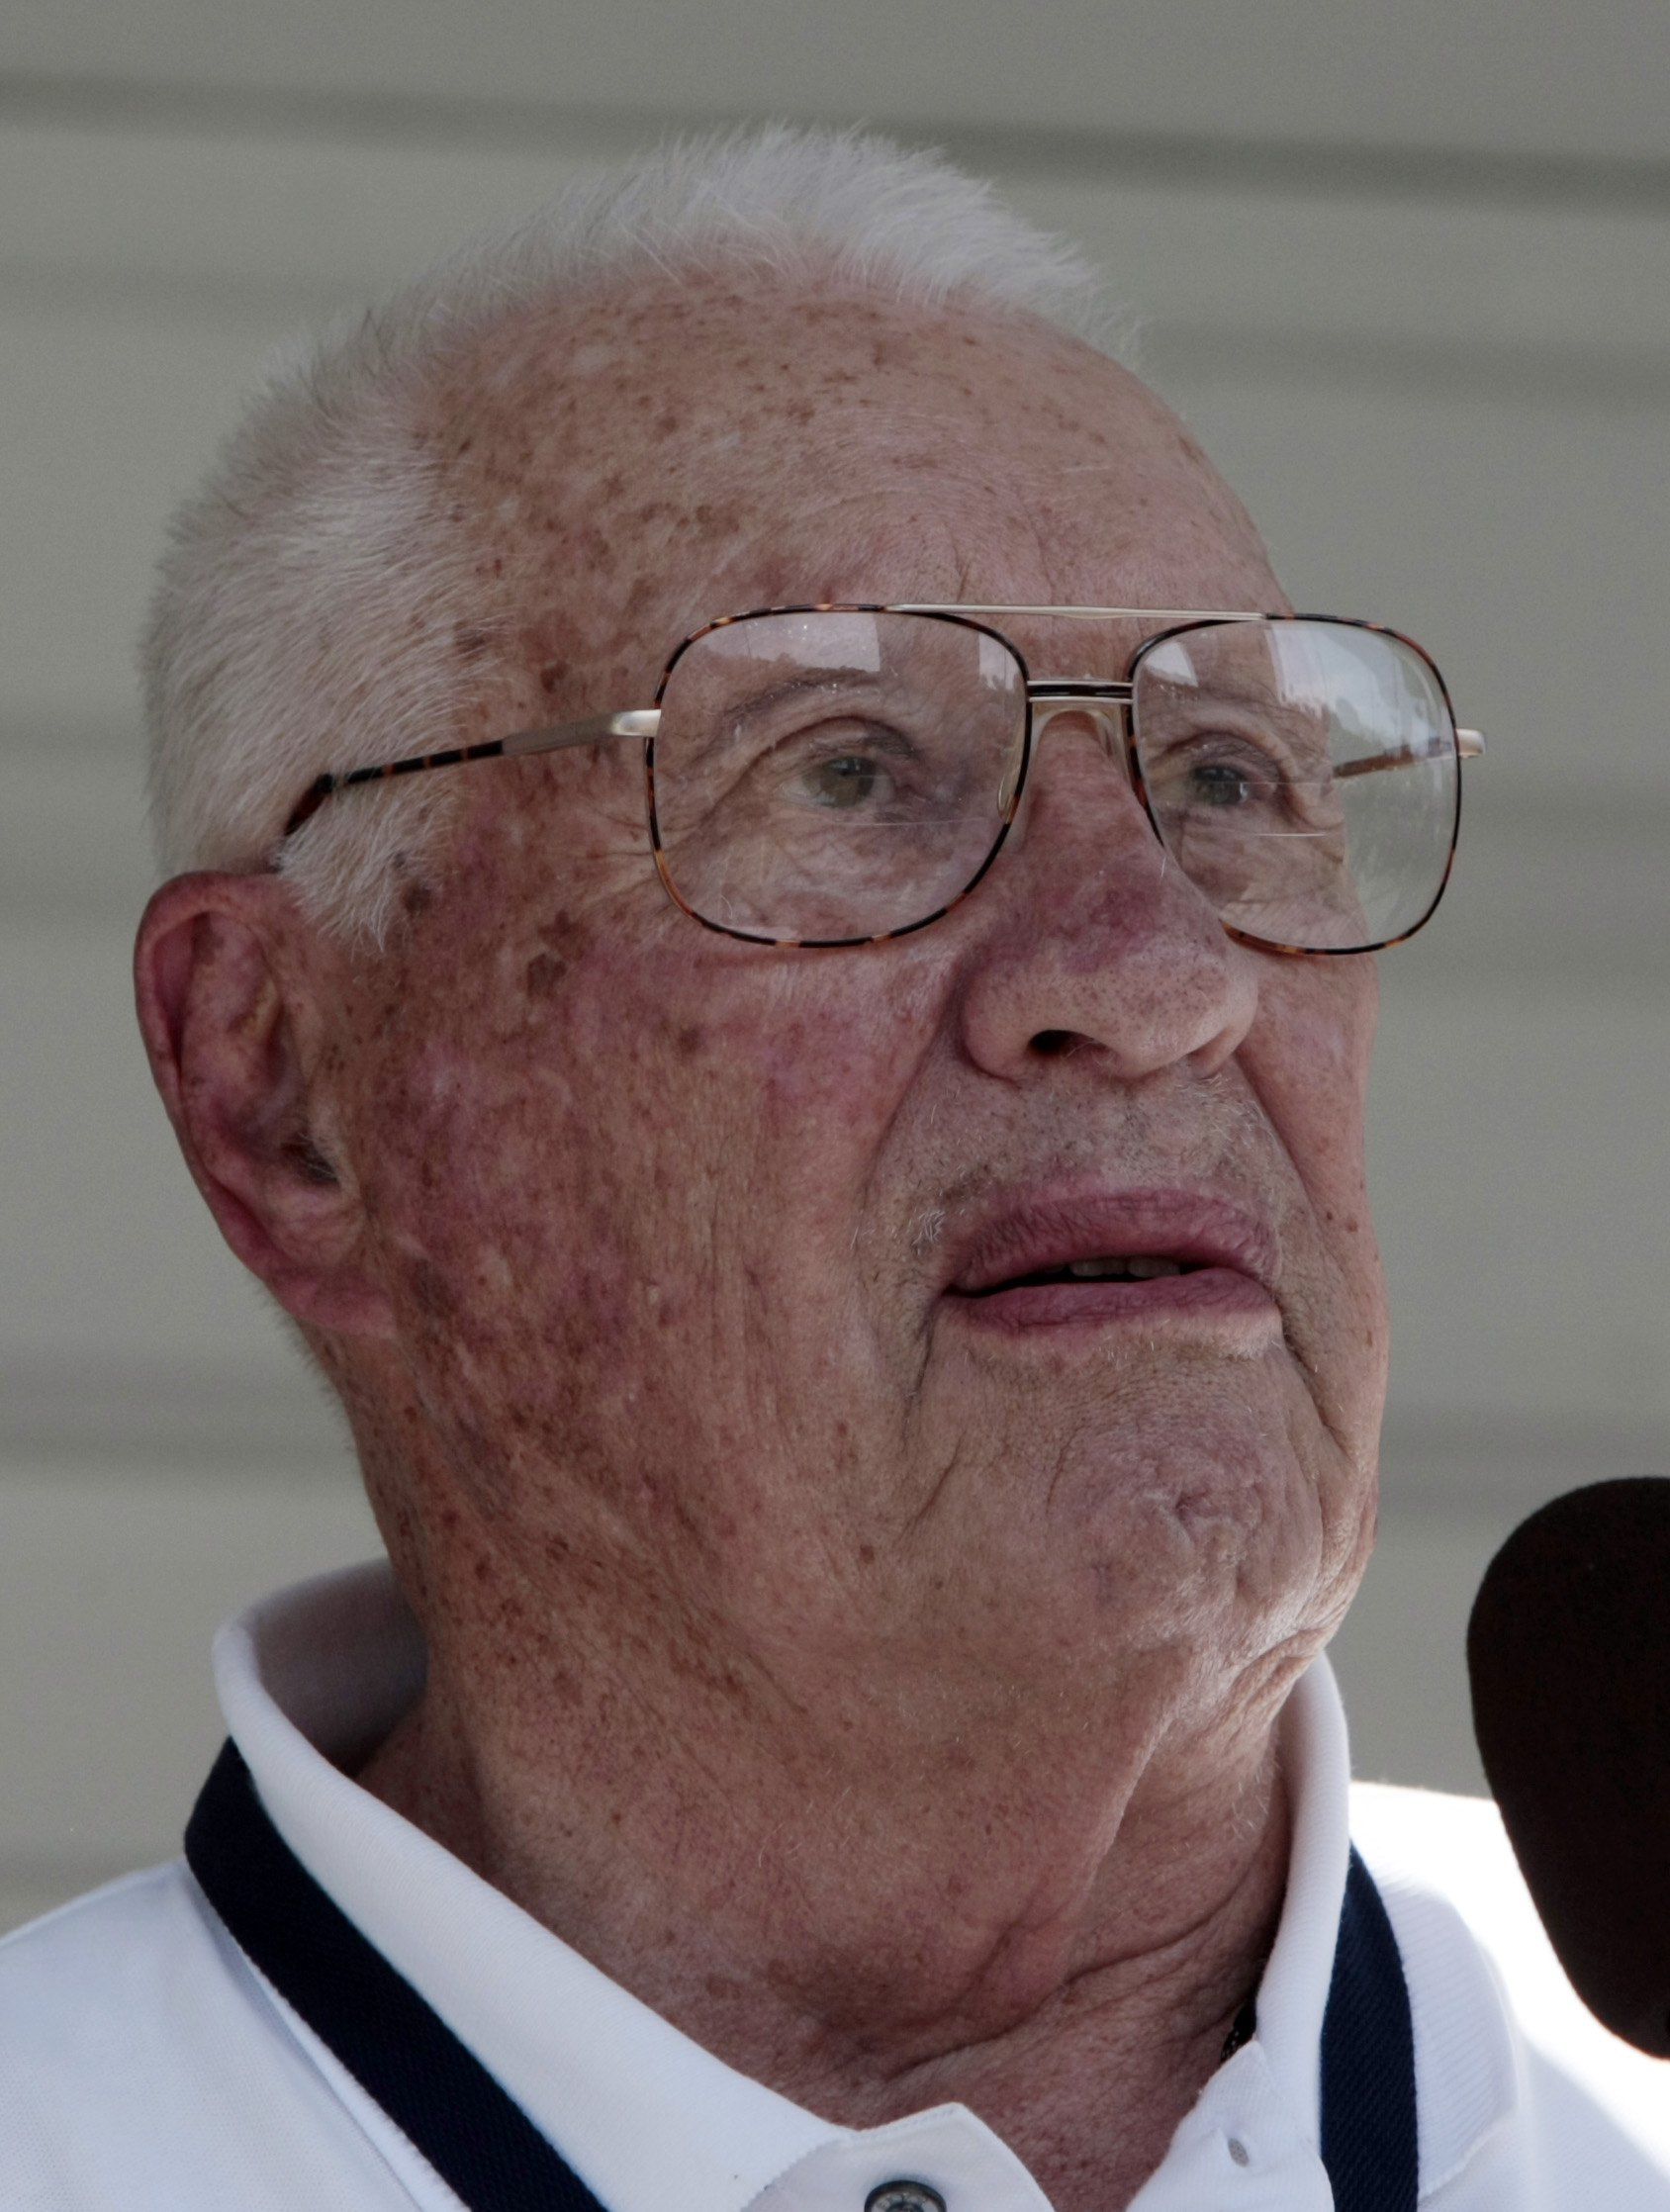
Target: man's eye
column 1222, row 784
column 844, row 781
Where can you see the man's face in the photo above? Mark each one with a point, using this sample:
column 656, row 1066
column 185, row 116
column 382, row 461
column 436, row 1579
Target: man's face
column 713, row 1265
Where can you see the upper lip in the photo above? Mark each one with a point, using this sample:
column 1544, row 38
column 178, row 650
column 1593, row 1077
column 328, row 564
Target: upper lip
column 1032, row 1233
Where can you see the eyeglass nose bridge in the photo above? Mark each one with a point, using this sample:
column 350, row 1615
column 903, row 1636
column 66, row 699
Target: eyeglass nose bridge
column 1105, row 705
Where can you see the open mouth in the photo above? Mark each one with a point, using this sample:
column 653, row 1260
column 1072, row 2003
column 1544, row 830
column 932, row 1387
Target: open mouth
column 1172, row 1261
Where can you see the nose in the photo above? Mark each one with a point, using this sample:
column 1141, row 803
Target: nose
column 1094, row 940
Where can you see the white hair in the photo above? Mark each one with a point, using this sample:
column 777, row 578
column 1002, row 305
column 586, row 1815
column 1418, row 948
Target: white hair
column 305, row 615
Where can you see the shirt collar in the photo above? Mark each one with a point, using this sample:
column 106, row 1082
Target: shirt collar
column 312, row 1678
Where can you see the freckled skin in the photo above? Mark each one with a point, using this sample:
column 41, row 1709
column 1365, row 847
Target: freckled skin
column 889, row 1706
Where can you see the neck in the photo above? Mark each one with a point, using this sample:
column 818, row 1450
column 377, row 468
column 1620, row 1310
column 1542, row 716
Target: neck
column 1047, row 1910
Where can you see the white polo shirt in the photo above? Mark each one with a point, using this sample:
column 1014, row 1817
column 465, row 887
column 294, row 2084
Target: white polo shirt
column 145, row 2066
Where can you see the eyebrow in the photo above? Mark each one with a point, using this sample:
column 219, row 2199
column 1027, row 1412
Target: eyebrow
column 1235, row 688
column 1244, row 695
column 807, row 683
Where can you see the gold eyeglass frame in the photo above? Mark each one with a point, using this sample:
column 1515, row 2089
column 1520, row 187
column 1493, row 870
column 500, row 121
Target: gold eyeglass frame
column 1051, row 694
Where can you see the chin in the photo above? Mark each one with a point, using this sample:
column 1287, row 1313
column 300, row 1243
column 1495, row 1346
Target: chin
column 1233, row 1525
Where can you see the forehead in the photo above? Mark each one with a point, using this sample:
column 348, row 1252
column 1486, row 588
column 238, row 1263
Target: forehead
column 652, row 459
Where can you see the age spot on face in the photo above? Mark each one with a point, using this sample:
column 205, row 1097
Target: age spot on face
column 543, row 972
column 432, row 1292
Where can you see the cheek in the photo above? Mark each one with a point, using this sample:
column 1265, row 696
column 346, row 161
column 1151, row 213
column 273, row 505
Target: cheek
column 763, row 1073
column 485, row 1147
column 607, row 1140
column 621, row 1227
column 1309, row 1059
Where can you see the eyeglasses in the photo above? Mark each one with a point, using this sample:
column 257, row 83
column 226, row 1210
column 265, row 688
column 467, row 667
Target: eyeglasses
column 838, row 775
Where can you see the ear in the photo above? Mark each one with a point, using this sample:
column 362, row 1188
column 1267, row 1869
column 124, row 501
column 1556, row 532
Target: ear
column 231, row 984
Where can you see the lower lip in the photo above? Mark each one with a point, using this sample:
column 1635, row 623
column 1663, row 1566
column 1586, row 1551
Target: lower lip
column 1207, row 1300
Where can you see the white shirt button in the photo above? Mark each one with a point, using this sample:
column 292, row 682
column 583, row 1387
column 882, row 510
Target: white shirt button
column 904, row 2196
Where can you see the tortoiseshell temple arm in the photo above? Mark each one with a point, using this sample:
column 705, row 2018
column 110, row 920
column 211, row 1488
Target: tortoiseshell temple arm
column 639, row 722
column 1469, row 745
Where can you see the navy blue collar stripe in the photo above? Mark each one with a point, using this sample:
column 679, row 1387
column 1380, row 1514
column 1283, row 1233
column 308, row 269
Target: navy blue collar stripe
column 402, row 2054
column 1369, row 2137
column 487, row 2150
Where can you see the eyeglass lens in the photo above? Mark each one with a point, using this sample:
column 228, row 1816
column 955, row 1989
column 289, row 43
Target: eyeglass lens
column 1303, row 775
column 831, row 776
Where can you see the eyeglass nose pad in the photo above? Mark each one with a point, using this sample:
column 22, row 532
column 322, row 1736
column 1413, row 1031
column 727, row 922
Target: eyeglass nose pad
column 1105, row 719
column 1102, row 717
column 1106, row 726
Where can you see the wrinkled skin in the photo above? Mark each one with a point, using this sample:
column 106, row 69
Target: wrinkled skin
column 887, row 1700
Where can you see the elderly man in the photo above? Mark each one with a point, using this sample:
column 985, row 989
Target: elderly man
column 772, row 968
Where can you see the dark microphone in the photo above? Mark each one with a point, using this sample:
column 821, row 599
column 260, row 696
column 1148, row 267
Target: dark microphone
column 1568, row 1649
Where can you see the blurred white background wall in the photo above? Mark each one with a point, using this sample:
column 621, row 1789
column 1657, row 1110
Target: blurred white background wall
column 1406, row 272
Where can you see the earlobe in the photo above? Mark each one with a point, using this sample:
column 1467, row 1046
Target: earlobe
column 228, row 1004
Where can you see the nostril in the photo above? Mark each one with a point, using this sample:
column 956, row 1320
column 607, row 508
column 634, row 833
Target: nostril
column 1050, row 1044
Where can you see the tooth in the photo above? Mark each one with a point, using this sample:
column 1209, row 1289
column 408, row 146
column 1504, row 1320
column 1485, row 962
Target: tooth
column 1142, row 1268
